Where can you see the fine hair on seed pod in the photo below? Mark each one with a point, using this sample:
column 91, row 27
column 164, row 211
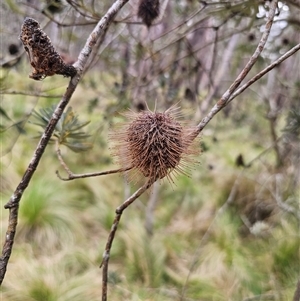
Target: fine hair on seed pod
column 155, row 145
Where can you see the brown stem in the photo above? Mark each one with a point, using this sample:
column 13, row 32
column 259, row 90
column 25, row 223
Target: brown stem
column 264, row 72
column 72, row 176
column 113, row 230
column 13, row 203
column 221, row 104
column 238, row 91
column 92, row 174
column 226, row 96
column 62, row 162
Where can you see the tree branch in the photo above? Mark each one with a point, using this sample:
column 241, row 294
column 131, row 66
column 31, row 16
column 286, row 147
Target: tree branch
column 113, row 231
column 72, row 176
column 13, row 203
column 264, row 72
column 226, row 96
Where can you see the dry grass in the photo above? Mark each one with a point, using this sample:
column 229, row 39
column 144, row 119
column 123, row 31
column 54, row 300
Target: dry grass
column 63, row 226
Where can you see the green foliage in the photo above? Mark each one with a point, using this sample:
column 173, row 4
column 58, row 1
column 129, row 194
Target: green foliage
column 68, row 129
column 58, row 279
column 204, row 290
column 40, row 291
column 286, row 254
column 144, row 256
column 64, row 226
column 58, row 216
column 46, row 219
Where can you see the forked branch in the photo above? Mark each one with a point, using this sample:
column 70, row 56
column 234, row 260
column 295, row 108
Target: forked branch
column 226, row 96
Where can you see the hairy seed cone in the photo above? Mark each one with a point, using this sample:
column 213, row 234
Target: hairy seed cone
column 148, row 11
column 154, row 144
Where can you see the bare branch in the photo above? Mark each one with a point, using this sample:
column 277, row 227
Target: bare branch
column 112, row 233
column 13, row 203
column 184, row 22
column 264, row 72
column 69, row 24
column 227, row 35
column 221, row 72
column 72, row 176
column 224, row 99
column 99, row 30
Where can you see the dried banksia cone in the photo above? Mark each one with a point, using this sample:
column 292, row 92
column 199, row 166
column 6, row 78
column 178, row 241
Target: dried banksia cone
column 42, row 55
column 154, row 144
column 148, row 11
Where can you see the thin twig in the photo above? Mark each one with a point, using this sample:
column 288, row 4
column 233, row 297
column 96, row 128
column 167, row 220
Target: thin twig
column 224, row 99
column 184, row 22
column 264, row 71
column 90, row 175
column 62, row 162
column 221, row 210
column 30, row 94
column 217, row 107
column 72, row 176
column 112, row 233
column 223, row 68
column 225, row 36
column 227, row 96
column 83, row 13
column 13, row 203
column 167, row 65
column 69, row 24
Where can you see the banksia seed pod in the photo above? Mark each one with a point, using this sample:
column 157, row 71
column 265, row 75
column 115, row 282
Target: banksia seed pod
column 42, row 55
column 154, row 144
column 148, row 11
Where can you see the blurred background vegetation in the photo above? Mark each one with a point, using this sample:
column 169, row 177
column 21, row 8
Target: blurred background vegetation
column 230, row 231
